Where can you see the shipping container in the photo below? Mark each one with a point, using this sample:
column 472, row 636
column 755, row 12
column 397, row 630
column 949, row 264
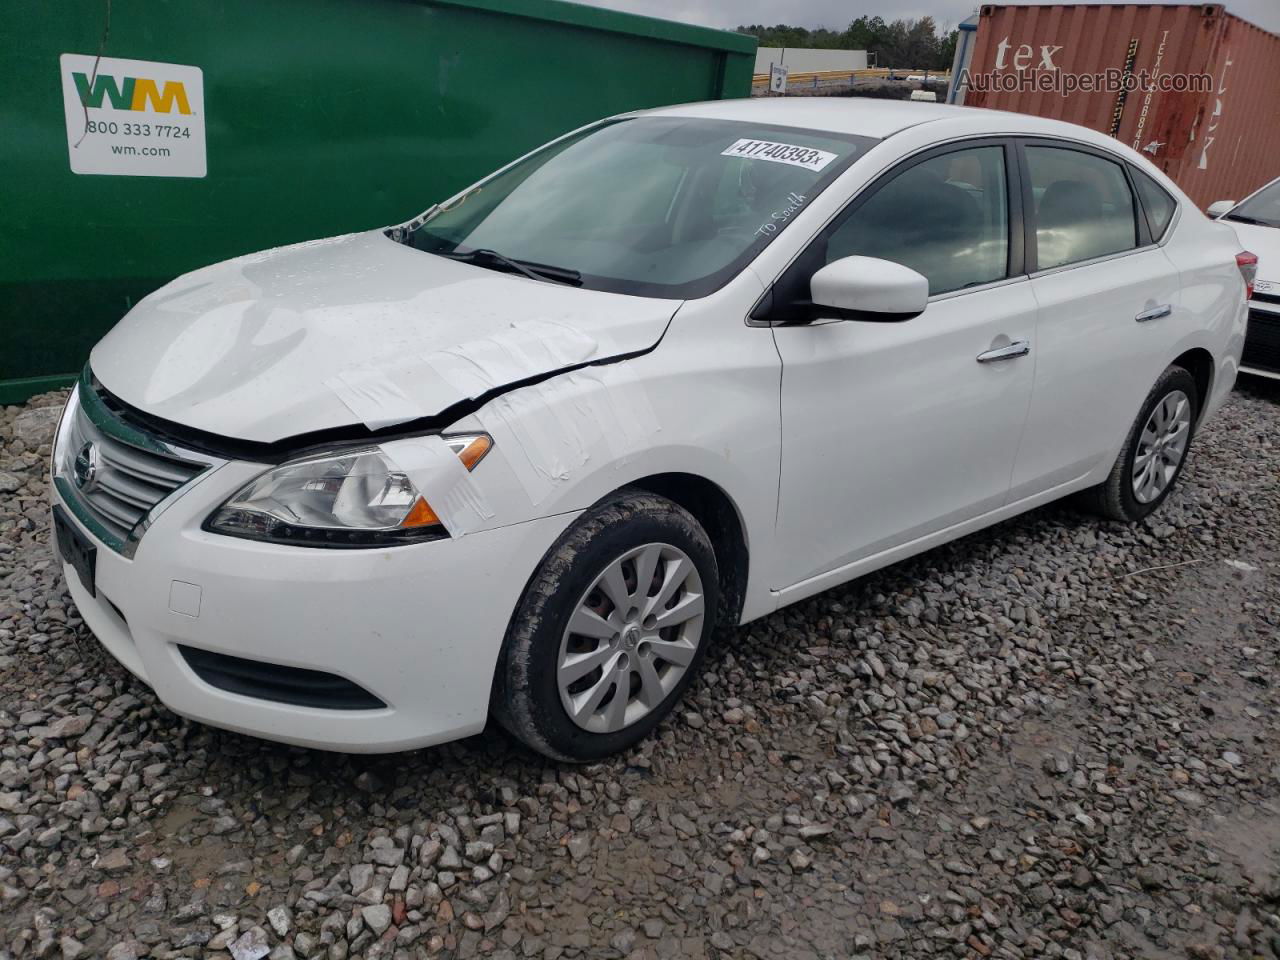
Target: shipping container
column 1204, row 103
column 143, row 140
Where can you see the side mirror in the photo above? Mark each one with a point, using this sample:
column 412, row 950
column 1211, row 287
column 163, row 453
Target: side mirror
column 868, row 288
column 1219, row 207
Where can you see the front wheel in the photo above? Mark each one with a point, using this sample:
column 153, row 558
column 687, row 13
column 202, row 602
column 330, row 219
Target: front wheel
column 1154, row 453
column 611, row 629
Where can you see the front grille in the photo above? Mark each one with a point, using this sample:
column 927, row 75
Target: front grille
column 280, row 684
column 132, row 471
column 1262, row 342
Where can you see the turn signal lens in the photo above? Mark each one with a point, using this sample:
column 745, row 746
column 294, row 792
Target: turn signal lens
column 420, row 515
column 1248, row 264
column 471, row 449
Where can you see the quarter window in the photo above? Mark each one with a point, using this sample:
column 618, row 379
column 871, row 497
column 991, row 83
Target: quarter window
column 1084, row 208
column 1157, row 203
column 946, row 218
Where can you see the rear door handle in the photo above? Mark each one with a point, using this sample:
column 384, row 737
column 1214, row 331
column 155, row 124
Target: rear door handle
column 1019, row 348
column 1155, row 313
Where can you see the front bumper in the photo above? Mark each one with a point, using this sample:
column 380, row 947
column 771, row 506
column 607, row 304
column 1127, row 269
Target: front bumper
column 417, row 626
column 1262, row 340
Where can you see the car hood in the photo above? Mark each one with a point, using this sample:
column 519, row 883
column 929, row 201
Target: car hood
column 349, row 330
column 1265, row 242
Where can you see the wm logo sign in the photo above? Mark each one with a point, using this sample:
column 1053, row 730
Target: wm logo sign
column 131, row 93
column 133, row 118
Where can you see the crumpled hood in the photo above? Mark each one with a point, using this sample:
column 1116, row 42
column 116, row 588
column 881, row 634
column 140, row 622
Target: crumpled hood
column 353, row 329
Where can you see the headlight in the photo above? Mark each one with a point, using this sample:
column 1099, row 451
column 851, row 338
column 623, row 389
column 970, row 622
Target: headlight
column 351, row 498
column 57, row 457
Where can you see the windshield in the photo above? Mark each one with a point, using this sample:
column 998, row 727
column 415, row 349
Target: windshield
column 653, row 206
column 1263, row 207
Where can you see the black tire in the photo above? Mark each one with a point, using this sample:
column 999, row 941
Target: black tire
column 1114, row 498
column 526, row 696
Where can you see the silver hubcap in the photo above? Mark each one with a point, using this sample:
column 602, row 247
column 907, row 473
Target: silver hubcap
column 631, row 638
column 1161, row 446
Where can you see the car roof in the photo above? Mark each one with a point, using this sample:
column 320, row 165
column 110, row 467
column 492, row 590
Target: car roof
column 874, row 118
column 881, row 119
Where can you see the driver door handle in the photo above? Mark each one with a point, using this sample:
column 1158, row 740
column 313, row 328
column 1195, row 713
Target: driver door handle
column 1019, row 348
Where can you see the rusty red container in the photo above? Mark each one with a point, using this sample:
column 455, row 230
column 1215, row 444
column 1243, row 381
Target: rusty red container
column 1203, row 97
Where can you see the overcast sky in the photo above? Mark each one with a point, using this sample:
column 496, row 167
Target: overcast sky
column 837, row 14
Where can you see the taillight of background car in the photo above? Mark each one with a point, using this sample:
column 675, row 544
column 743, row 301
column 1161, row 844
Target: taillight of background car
column 1248, row 264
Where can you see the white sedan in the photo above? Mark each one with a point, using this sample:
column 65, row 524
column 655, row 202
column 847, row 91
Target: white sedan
column 521, row 455
column 1256, row 220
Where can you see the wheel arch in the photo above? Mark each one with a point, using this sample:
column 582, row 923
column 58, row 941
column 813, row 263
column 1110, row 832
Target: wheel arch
column 1199, row 363
column 712, row 507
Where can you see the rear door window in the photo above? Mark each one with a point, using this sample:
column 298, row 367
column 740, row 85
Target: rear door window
column 1083, row 206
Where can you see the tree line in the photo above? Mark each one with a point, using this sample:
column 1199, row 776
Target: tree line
column 902, row 43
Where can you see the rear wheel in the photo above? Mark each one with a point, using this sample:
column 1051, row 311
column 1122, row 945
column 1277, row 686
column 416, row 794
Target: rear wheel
column 1154, row 453
column 610, row 631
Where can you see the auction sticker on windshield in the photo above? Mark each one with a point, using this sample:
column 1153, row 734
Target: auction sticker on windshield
column 133, row 118
column 797, row 156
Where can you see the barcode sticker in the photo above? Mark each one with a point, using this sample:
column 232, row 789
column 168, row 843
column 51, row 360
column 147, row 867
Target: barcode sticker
column 807, row 157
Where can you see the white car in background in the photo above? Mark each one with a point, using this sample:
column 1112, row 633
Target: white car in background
column 521, row 454
column 1256, row 220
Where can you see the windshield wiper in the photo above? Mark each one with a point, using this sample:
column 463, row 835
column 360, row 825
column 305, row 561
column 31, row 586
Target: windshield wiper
column 1241, row 218
column 534, row 271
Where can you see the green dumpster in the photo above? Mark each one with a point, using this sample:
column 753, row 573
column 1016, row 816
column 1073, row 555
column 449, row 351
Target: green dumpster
column 143, row 140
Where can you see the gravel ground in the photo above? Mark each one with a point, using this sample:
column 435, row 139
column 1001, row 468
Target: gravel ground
column 1056, row 738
